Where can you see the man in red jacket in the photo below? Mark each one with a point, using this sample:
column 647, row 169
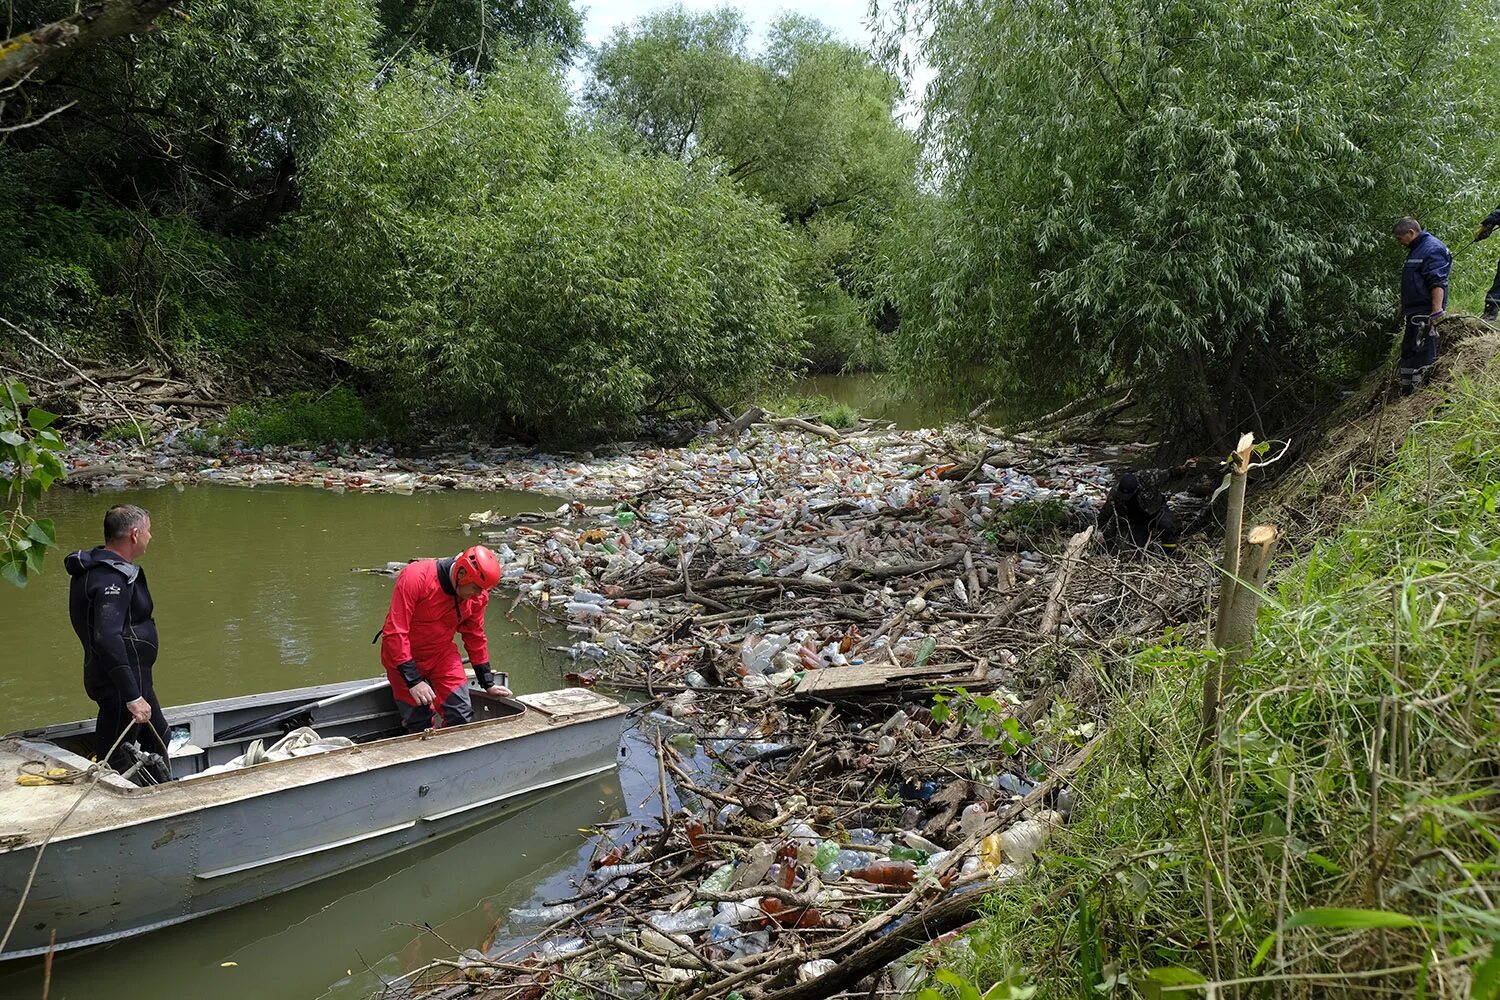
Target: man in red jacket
column 433, row 599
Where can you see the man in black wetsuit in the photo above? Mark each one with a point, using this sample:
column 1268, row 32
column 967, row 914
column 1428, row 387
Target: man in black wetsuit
column 1136, row 514
column 110, row 605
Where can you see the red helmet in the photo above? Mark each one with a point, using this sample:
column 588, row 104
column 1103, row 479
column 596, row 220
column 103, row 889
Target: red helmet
column 477, row 565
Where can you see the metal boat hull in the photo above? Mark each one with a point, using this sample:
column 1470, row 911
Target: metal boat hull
column 148, row 858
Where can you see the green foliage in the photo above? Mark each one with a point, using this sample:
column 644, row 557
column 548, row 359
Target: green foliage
column 1346, row 833
column 517, row 275
column 30, row 463
column 409, row 195
column 834, row 413
column 807, row 125
column 1199, row 192
column 983, row 714
column 301, row 418
column 470, row 34
column 1030, row 516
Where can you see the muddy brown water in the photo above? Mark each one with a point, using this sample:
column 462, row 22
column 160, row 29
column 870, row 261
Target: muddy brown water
column 254, row 592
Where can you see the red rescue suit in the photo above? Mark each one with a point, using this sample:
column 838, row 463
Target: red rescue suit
column 416, row 642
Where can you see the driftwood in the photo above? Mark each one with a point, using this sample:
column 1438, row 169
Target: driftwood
column 1053, row 612
column 797, row 423
column 1074, row 408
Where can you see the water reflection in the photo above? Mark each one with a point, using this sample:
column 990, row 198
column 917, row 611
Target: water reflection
column 254, row 592
column 342, row 937
column 928, row 405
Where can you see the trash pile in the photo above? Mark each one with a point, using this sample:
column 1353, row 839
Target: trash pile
column 871, row 668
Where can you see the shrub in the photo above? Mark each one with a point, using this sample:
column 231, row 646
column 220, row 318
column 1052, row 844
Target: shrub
column 302, row 418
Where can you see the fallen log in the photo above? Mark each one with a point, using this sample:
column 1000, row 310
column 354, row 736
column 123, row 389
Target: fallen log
column 797, row 423
column 1074, row 408
column 1053, row 612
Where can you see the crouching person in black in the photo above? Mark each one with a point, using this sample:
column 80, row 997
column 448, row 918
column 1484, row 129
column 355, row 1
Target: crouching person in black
column 1136, row 516
column 110, row 606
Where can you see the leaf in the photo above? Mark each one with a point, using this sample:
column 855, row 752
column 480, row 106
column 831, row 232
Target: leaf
column 42, row 531
column 1228, row 478
column 13, row 438
column 1486, row 982
column 1314, row 858
column 13, row 572
column 39, row 418
column 1172, row 975
column 948, row 978
column 1264, row 950
column 1350, row 919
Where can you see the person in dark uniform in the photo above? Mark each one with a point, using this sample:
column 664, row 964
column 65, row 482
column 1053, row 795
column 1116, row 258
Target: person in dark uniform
column 1136, row 514
column 1492, row 297
column 110, row 607
column 1424, row 299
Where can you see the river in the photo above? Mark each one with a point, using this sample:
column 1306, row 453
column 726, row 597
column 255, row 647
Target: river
column 255, row 590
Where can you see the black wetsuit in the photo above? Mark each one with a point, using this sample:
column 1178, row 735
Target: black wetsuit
column 1136, row 512
column 110, row 606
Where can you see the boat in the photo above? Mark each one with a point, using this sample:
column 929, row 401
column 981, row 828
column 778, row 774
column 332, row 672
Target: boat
column 133, row 859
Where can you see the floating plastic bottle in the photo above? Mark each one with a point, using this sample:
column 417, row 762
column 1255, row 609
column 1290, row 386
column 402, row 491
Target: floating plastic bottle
column 689, row 921
column 912, row 854
column 719, row 880
column 560, row 948
column 757, row 863
column 1021, row 842
column 739, row 913
column 584, row 611
column 540, row 915
column 887, row 872
column 921, row 843
column 972, row 818
column 826, row 855
column 812, row 970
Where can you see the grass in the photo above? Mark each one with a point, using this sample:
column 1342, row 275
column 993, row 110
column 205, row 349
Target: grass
column 1342, row 837
column 835, row 413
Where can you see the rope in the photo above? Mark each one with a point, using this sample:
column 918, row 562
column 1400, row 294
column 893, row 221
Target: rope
column 97, row 770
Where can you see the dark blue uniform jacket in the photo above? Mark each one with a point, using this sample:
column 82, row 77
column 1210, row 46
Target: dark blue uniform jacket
column 1426, row 268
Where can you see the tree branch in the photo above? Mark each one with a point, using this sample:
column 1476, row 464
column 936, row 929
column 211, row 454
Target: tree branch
column 43, row 47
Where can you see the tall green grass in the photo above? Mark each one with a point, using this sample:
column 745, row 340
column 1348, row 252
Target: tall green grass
column 1343, row 836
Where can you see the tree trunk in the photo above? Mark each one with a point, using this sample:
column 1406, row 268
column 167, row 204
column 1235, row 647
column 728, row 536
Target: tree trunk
column 43, row 47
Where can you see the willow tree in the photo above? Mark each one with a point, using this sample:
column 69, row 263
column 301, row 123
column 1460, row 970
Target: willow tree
column 1195, row 191
column 806, row 123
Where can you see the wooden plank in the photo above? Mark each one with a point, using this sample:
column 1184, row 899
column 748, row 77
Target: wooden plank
column 835, row 681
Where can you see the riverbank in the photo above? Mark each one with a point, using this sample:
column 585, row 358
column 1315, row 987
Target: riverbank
column 1339, row 836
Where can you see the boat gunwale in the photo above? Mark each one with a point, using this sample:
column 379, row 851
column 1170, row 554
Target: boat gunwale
column 173, row 799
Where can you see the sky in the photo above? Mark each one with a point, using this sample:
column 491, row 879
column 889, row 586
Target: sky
column 845, row 17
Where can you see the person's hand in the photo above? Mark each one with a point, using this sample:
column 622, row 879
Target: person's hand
column 1433, row 319
column 422, row 693
column 1483, row 233
column 498, row 690
column 140, row 710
